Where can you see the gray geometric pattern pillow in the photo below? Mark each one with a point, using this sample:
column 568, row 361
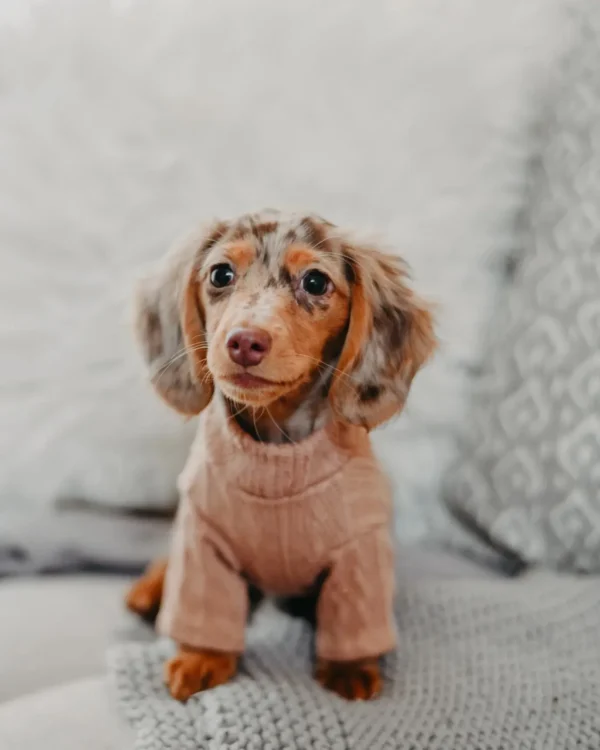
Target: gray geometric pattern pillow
column 530, row 478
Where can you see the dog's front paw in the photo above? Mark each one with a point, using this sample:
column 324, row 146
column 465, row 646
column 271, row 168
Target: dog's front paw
column 190, row 672
column 354, row 680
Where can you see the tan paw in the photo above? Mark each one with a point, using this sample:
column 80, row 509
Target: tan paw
column 353, row 680
column 145, row 596
column 190, row 672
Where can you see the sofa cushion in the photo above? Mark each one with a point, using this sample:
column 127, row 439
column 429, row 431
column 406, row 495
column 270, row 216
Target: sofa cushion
column 77, row 540
column 530, row 477
column 56, row 629
column 53, row 630
column 69, row 717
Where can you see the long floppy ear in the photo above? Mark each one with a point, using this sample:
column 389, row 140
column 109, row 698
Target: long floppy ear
column 390, row 337
column 169, row 324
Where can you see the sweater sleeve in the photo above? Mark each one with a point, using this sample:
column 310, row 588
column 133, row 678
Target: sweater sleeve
column 205, row 603
column 355, row 617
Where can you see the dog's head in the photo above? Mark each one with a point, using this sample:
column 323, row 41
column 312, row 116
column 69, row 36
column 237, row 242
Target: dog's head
column 268, row 306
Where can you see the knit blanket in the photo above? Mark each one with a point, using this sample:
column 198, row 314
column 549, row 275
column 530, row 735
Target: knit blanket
column 494, row 664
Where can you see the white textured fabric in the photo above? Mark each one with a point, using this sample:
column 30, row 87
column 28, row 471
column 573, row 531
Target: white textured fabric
column 123, row 123
column 54, row 630
column 73, row 716
column 500, row 665
column 529, row 477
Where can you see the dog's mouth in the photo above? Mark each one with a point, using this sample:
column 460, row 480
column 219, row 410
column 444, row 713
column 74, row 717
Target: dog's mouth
column 248, row 381
column 250, row 388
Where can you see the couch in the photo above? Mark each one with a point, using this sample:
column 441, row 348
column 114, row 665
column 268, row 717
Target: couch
column 464, row 98
column 54, row 632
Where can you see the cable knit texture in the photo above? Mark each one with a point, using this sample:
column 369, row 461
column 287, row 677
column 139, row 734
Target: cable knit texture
column 481, row 665
column 280, row 516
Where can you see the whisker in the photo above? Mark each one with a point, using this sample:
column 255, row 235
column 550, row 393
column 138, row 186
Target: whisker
column 200, row 336
column 342, row 237
column 285, row 435
column 205, row 378
column 255, row 426
column 321, row 363
column 358, row 253
column 237, row 413
column 182, row 353
column 169, row 363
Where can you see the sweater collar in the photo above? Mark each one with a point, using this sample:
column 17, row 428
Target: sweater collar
column 274, row 470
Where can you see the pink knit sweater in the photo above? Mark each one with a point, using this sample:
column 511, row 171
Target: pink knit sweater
column 279, row 516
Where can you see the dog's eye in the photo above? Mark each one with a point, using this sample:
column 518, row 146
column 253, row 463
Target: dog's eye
column 315, row 283
column 222, row 275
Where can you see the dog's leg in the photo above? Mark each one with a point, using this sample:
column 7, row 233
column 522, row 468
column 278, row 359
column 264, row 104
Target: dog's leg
column 191, row 671
column 145, row 596
column 356, row 617
column 354, row 680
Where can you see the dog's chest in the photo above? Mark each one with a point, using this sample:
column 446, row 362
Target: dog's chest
column 283, row 545
column 282, row 513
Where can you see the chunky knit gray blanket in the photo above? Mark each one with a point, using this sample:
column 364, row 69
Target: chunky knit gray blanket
column 482, row 665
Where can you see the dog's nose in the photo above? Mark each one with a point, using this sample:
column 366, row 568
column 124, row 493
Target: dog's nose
column 248, row 346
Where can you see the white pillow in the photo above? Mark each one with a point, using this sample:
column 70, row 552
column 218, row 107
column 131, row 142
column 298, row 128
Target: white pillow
column 122, row 124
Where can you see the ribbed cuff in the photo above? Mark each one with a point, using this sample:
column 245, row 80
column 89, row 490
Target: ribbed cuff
column 361, row 645
column 218, row 636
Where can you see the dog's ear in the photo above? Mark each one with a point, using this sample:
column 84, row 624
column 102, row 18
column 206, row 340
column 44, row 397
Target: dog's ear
column 169, row 323
column 390, row 337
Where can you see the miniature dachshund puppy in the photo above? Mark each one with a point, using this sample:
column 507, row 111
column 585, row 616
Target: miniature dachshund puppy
column 282, row 327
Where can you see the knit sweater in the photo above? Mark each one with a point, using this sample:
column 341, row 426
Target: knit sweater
column 280, row 516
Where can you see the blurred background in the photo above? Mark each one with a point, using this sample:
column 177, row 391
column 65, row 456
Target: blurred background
column 461, row 135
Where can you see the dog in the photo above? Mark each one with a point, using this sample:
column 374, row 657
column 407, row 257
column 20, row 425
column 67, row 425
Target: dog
column 293, row 325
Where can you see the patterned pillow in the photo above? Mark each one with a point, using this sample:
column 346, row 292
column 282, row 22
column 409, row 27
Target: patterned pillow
column 530, row 477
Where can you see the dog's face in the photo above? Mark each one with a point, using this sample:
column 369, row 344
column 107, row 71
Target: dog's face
column 276, row 302
column 269, row 307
